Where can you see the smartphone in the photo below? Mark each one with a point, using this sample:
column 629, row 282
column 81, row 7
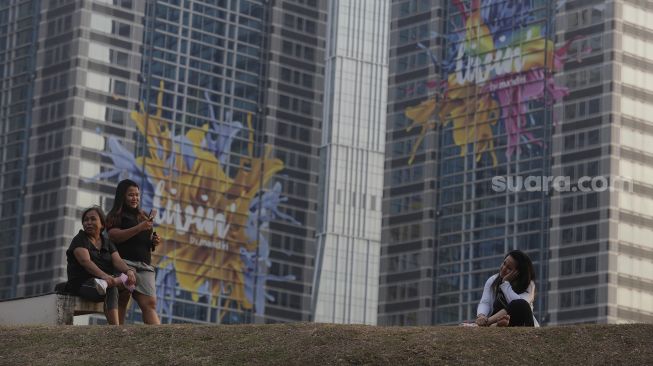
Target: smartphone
column 150, row 217
column 152, row 247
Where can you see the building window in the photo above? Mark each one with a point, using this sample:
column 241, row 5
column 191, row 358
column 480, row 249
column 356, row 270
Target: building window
column 590, row 264
column 567, row 236
column 591, row 232
column 589, row 296
column 594, row 106
column 566, row 268
column 121, row 29
column 568, row 204
column 565, row 299
column 593, row 137
column 592, row 200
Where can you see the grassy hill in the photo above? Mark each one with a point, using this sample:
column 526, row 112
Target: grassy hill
column 325, row 344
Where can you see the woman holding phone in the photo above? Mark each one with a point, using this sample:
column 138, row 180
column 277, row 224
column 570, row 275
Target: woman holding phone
column 130, row 228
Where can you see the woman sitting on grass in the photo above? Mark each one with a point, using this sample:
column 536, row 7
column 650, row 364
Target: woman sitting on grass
column 92, row 264
column 508, row 295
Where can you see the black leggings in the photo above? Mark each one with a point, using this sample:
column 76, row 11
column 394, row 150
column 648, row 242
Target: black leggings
column 521, row 314
column 88, row 292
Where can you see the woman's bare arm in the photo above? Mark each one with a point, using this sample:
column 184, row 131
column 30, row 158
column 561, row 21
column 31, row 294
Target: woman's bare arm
column 84, row 259
column 120, row 265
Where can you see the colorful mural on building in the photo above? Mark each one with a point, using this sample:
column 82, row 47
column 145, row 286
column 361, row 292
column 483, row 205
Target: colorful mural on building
column 500, row 56
column 209, row 216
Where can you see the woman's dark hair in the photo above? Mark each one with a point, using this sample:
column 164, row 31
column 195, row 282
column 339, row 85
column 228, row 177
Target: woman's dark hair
column 525, row 272
column 113, row 217
column 100, row 214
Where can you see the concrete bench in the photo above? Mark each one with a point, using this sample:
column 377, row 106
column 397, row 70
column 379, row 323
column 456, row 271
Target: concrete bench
column 48, row 309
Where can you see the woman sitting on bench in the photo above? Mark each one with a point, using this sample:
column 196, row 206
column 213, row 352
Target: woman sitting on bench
column 508, row 295
column 92, row 264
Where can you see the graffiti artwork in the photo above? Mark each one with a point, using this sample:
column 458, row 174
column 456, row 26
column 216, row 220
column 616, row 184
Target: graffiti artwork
column 209, row 216
column 500, row 57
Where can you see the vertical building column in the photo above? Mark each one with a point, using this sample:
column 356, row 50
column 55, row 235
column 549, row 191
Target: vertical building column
column 352, row 154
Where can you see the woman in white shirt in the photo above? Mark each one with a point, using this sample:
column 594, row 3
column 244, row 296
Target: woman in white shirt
column 508, row 296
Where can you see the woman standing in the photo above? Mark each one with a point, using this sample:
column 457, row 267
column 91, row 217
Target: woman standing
column 92, row 263
column 131, row 229
column 508, row 296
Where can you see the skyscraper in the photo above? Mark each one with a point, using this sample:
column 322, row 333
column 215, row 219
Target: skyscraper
column 346, row 282
column 213, row 106
column 293, row 125
column 406, row 276
column 484, row 95
column 17, row 60
column 601, row 255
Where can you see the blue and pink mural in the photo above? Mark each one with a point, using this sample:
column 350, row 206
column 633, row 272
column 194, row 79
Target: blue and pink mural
column 500, row 56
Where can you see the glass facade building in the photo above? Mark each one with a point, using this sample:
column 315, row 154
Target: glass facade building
column 17, row 60
column 482, row 96
column 256, row 129
column 457, row 122
column 213, row 106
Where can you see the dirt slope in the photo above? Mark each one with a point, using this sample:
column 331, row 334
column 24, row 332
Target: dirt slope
column 325, row 344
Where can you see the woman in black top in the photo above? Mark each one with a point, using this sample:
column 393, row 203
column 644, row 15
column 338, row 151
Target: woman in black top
column 92, row 262
column 131, row 229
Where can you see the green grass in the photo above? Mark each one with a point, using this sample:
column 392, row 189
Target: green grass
column 325, row 344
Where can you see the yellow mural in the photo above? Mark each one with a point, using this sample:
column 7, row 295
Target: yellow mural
column 203, row 211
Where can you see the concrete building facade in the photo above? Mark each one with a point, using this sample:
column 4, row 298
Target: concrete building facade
column 482, row 96
column 213, row 106
column 351, row 153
